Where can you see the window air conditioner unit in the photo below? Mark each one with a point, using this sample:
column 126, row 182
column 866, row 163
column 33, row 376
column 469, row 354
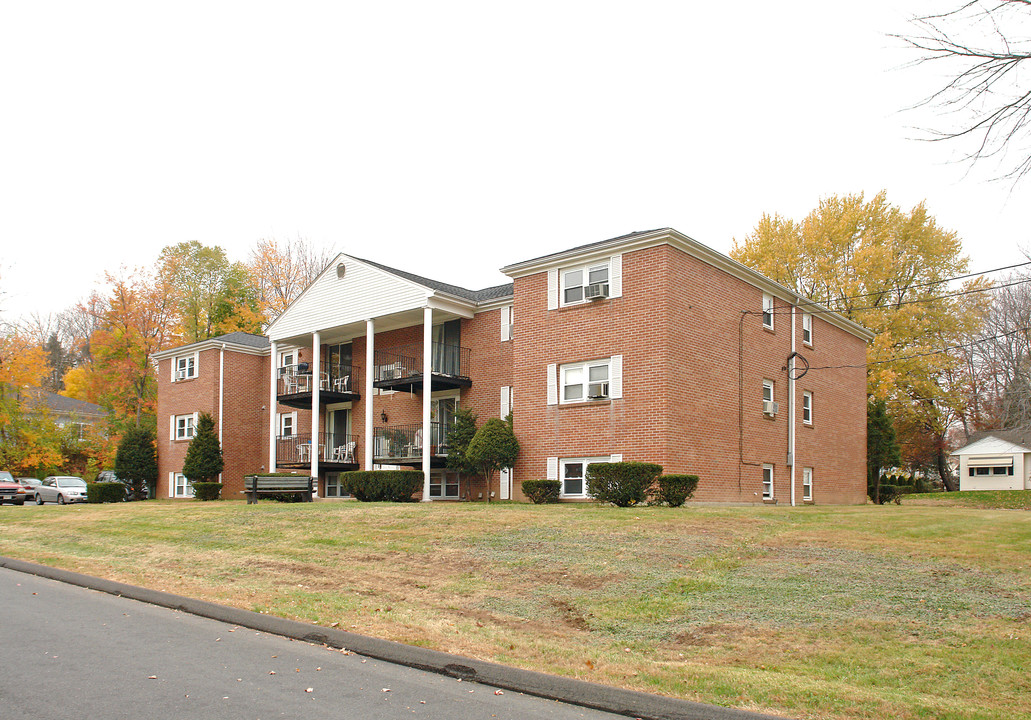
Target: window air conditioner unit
column 181, row 374
column 596, row 291
column 770, row 408
column 598, row 390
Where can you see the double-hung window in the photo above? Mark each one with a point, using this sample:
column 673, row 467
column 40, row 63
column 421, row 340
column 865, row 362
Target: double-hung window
column 807, row 329
column 183, row 426
column 807, row 484
column 287, row 424
column 767, row 311
column 767, row 482
column 585, row 381
column 575, row 282
column 184, row 368
column 807, row 408
column 181, row 487
column 573, row 474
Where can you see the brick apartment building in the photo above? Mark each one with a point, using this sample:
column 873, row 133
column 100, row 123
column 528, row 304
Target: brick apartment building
column 648, row 347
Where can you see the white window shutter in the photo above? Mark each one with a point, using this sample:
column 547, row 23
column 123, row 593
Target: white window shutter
column 506, row 484
column 552, row 468
column 552, row 384
column 616, row 276
column 505, row 409
column 618, row 457
column 171, row 427
column 171, row 484
column 506, row 323
column 552, row 289
column 616, row 376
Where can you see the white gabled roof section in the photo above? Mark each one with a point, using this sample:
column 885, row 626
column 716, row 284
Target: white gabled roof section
column 991, row 445
column 349, row 291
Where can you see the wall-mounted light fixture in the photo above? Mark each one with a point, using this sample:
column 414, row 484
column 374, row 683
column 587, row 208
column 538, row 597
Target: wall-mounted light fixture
column 383, row 416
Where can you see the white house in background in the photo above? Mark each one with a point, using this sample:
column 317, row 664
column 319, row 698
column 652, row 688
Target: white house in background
column 995, row 460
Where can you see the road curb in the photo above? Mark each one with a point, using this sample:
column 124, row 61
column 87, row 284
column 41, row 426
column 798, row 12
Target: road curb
column 578, row 692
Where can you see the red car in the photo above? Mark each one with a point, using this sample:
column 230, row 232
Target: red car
column 10, row 490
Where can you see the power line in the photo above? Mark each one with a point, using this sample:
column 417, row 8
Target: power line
column 923, row 354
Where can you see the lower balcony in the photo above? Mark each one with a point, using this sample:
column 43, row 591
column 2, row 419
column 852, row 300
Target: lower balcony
column 403, row 445
column 335, row 451
column 401, row 368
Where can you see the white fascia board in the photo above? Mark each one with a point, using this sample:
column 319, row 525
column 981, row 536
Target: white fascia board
column 495, row 303
column 669, row 236
column 210, row 344
column 990, row 445
column 448, row 303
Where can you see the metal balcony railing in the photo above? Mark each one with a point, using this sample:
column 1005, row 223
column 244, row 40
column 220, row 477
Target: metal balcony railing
column 299, row 378
column 405, row 442
column 331, row 448
column 406, row 361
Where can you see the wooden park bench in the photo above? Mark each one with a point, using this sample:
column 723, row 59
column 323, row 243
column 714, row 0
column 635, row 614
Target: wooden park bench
column 255, row 485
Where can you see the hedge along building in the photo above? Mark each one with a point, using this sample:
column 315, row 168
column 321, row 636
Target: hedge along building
column 648, row 346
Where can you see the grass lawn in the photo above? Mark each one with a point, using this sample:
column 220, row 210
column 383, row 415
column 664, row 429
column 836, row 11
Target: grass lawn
column 911, row 611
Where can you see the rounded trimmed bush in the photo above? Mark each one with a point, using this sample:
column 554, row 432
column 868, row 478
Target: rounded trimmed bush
column 105, row 492
column 542, row 491
column 674, row 490
column 207, row 490
column 382, row 485
column 623, row 484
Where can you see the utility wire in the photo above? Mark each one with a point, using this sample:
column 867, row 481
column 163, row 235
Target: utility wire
column 923, row 354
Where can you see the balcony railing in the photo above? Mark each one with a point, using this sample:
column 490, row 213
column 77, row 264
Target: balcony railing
column 406, row 361
column 331, row 448
column 405, row 442
column 299, row 378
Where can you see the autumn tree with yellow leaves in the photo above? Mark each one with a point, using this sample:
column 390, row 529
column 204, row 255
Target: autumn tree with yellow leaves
column 887, row 269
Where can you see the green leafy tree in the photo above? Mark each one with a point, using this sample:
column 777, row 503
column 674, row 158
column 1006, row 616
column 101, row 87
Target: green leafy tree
column 494, row 447
column 203, row 461
column 136, row 460
column 882, row 447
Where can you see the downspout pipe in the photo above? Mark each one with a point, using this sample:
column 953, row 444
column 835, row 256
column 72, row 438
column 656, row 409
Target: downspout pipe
column 221, row 394
column 791, row 408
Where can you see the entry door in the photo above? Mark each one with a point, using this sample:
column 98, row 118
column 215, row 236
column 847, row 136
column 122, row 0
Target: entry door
column 339, row 426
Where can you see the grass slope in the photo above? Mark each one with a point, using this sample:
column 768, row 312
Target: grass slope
column 859, row 612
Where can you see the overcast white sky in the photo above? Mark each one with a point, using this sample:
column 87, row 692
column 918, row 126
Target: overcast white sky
column 452, row 138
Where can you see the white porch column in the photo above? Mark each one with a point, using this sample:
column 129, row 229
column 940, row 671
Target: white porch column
column 316, row 386
column 370, row 371
column 273, row 389
column 427, row 391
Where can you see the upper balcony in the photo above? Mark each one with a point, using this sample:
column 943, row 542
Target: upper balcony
column 334, row 451
column 401, row 368
column 336, row 383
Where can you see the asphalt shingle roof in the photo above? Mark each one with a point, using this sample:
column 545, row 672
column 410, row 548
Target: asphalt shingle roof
column 491, row 293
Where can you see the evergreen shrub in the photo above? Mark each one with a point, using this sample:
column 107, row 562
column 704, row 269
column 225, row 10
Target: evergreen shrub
column 382, row 485
column 674, row 490
column 105, row 492
column 623, row 484
column 542, row 491
column 207, row 490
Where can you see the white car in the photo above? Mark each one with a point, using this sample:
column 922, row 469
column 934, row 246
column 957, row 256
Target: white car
column 61, row 489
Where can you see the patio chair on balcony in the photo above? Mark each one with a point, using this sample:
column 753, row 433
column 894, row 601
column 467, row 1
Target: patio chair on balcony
column 415, row 447
column 304, row 452
column 342, row 384
column 344, row 453
column 290, row 384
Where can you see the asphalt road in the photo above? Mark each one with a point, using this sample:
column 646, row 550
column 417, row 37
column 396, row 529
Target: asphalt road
column 70, row 652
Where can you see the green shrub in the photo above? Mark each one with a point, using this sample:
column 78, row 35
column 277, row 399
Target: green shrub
column 674, row 490
column 542, row 491
column 105, row 492
column 623, row 483
column 207, row 490
column 382, row 485
column 892, row 493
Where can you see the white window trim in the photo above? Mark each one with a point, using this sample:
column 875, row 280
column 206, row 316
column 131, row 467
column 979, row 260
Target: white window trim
column 807, row 329
column 174, row 485
column 773, row 390
column 191, row 369
column 767, row 467
column 767, row 310
column 560, row 472
column 557, row 380
column 807, row 408
column 293, row 423
column 807, row 484
column 439, row 479
column 192, row 426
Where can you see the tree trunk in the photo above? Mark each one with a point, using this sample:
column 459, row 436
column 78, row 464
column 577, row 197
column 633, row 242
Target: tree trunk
column 943, row 471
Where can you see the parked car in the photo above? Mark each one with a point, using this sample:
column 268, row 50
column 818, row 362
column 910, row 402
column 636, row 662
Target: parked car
column 30, row 484
column 109, row 476
column 10, row 490
column 61, row 489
